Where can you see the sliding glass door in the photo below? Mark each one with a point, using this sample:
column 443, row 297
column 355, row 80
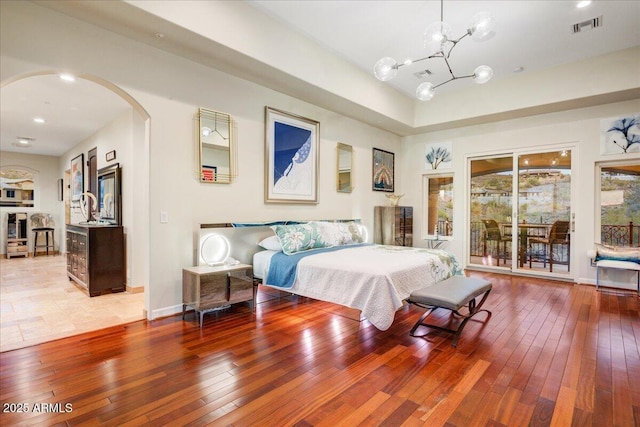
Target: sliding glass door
column 491, row 210
column 529, row 232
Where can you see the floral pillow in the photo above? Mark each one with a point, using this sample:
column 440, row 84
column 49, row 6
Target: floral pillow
column 300, row 237
column 340, row 233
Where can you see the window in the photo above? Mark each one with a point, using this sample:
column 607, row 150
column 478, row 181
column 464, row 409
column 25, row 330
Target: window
column 438, row 201
column 619, row 211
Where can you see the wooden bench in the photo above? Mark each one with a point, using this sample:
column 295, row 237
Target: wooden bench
column 452, row 294
column 620, row 265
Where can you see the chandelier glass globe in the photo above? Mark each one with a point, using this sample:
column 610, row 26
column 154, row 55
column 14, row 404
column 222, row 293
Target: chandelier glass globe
column 482, row 26
column 425, row 91
column 436, row 36
column 482, row 74
column 385, row 69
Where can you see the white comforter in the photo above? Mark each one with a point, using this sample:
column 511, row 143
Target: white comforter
column 374, row 279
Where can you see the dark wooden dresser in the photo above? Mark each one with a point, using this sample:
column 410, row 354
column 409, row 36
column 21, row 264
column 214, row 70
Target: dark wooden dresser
column 95, row 257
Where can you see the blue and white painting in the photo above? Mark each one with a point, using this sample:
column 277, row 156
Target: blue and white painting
column 620, row 135
column 292, row 166
column 292, row 158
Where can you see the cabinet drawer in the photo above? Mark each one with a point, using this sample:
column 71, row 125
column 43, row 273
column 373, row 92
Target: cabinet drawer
column 213, row 290
column 241, row 285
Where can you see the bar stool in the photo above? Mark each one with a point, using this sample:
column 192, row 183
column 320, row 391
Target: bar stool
column 43, row 223
column 47, row 231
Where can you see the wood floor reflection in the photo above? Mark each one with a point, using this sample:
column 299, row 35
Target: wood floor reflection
column 39, row 303
column 552, row 354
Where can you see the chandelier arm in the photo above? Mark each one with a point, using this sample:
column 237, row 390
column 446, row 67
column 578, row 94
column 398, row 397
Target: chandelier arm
column 446, row 61
column 435, row 55
column 454, row 43
column 452, row 79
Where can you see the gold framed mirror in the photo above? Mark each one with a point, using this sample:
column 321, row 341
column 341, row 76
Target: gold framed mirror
column 344, row 168
column 216, row 142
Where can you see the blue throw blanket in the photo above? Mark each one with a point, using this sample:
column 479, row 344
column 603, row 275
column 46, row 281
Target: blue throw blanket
column 283, row 268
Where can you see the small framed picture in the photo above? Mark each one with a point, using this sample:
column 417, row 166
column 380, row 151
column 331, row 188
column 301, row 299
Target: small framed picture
column 77, row 177
column 383, row 179
column 111, row 155
column 60, row 188
column 208, row 173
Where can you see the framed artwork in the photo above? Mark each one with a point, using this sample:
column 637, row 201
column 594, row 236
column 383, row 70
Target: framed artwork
column 620, row 135
column 438, row 156
column 383, row 179
column 77, row 177
column 208, row 173
column 60, row 188
column 291, row 158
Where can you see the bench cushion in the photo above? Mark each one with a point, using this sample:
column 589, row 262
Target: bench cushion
column 452, row 293
column 625, row 265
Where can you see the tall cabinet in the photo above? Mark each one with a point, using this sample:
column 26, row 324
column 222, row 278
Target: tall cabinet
column 393, row 225
column 95, row 257
column 17, row 235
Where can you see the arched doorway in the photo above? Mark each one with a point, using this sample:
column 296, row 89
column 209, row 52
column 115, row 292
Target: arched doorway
column 134, row 157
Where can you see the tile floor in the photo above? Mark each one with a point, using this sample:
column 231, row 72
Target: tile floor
column 38, row 303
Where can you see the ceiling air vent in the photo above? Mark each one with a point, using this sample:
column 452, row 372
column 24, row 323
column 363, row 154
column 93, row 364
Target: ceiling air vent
column 587, row 25
column 422, row 74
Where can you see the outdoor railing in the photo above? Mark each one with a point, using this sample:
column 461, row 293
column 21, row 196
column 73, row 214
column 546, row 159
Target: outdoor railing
column 620, row 235
column 614, row 235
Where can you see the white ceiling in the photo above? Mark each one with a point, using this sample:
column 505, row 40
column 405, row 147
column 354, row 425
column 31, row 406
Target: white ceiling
column 73, row 111
column 532, row 34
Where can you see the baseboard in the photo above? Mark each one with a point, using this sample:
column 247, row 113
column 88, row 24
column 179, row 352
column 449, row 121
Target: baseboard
column 165, row 312
column 135, row 289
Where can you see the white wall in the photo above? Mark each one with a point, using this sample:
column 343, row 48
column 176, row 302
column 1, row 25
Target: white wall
column 171, row 89
column 115, row 136
column 580, row 127
column 45, row 194
column 175, row 186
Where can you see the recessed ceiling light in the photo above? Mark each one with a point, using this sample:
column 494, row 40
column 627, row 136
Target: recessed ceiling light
column 18, row 144
column 583, row 3
column 23, row 142
column 39, row 120
column 67, row 77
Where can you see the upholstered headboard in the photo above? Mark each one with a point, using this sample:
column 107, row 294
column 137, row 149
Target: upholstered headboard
column 244, row 237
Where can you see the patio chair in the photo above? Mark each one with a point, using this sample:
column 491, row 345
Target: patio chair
column 492, row 233
column 558, row 235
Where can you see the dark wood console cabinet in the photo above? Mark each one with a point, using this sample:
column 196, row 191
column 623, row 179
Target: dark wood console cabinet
column 95, row 257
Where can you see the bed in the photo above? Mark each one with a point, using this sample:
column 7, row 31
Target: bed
column 335, row 265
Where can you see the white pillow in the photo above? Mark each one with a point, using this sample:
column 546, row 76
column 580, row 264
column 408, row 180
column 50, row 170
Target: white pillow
column 271, row 243
column 340, row 233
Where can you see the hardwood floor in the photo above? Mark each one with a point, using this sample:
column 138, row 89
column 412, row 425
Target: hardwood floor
column 552, row 353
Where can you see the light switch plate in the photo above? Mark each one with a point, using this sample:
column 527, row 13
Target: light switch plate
column 164, row 217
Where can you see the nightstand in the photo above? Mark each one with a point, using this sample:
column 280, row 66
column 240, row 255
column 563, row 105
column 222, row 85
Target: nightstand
column 207, row 289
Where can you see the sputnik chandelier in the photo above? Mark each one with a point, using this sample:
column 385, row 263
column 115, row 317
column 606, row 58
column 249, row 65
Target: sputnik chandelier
column 439, row 44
